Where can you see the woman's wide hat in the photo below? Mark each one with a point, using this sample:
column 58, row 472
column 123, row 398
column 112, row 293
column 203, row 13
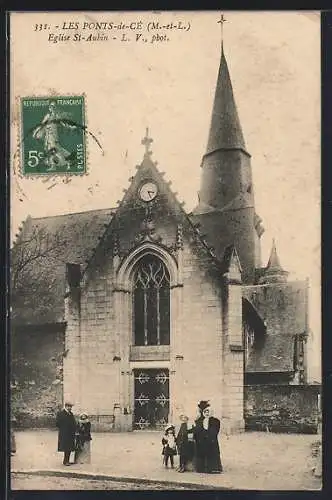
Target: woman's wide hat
column 168, row 427
column 202, row 405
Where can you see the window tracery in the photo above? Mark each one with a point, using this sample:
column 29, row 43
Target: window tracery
column 151, row 302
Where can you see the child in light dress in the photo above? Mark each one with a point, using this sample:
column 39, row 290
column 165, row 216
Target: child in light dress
column 169, row 445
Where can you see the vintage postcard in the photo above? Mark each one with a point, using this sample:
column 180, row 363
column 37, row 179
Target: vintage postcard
column 165, row 250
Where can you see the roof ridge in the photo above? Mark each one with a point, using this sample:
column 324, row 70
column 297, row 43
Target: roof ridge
column 153, row 165
column 72, row 213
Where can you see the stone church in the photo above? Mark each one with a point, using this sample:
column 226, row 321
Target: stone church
column 155, row 308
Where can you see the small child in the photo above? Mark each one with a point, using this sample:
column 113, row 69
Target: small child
column 169, row 445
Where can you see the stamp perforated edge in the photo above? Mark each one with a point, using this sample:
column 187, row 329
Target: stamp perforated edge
column 18, row 153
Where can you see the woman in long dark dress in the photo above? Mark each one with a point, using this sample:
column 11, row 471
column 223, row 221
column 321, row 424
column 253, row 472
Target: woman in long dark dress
column 206, row 432
column 83, row 440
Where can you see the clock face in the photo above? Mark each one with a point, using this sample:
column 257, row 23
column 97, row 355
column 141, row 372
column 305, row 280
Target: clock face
column 148, row 191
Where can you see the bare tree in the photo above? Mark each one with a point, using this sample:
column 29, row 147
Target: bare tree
column 35, row 260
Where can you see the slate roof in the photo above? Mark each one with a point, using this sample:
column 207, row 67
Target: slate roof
column 219, row 239
column 283, row 309
column 276, row 356
column 225, row 129
column 79, row 234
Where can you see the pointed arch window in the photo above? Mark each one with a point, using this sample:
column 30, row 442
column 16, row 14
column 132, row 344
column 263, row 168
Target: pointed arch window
column 254, row 329
column 249, row 340
column 151, row 302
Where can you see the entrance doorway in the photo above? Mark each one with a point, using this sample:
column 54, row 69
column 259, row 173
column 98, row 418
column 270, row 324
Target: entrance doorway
column 151, row 406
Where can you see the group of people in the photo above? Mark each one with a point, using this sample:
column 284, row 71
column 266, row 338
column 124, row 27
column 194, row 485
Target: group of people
column 74, row 435
column 197, row 445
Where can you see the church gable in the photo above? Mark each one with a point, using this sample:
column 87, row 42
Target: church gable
column 145, row 290
column 149, row 213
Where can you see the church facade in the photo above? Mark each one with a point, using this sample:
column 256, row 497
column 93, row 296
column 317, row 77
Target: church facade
column 160, row 308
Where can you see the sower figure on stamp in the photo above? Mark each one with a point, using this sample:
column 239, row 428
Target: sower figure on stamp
column 56, row 155
column 66, row 424
column 206, row 437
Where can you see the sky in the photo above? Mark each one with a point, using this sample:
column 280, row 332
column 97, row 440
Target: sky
column 274, row 64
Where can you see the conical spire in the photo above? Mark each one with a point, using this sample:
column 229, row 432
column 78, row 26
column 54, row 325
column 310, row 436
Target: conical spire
column 225, row 129
column 274, row 273
column 274, row 262
column 226, row 206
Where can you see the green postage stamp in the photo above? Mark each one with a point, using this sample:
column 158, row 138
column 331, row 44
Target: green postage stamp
column 53, row 135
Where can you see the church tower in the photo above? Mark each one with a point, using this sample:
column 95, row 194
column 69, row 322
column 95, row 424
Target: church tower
column 226, row 208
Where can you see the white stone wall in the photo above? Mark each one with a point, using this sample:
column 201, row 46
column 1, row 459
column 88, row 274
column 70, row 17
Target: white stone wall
column 201, row 364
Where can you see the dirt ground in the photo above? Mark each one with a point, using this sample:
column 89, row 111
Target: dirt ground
column 251, row 461
column 31, row 482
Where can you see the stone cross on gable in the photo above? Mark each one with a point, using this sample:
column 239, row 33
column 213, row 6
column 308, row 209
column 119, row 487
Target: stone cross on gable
column 221, row 21
column 147, row 141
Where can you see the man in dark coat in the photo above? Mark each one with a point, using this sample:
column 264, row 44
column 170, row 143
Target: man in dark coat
column 66, row 423
column 206, row 437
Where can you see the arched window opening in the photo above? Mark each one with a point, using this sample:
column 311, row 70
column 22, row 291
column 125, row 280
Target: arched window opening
column 151, row 302
column 249, row 340
column 254, row 329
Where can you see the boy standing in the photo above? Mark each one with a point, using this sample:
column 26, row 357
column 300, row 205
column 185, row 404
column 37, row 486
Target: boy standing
column 184, row 444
